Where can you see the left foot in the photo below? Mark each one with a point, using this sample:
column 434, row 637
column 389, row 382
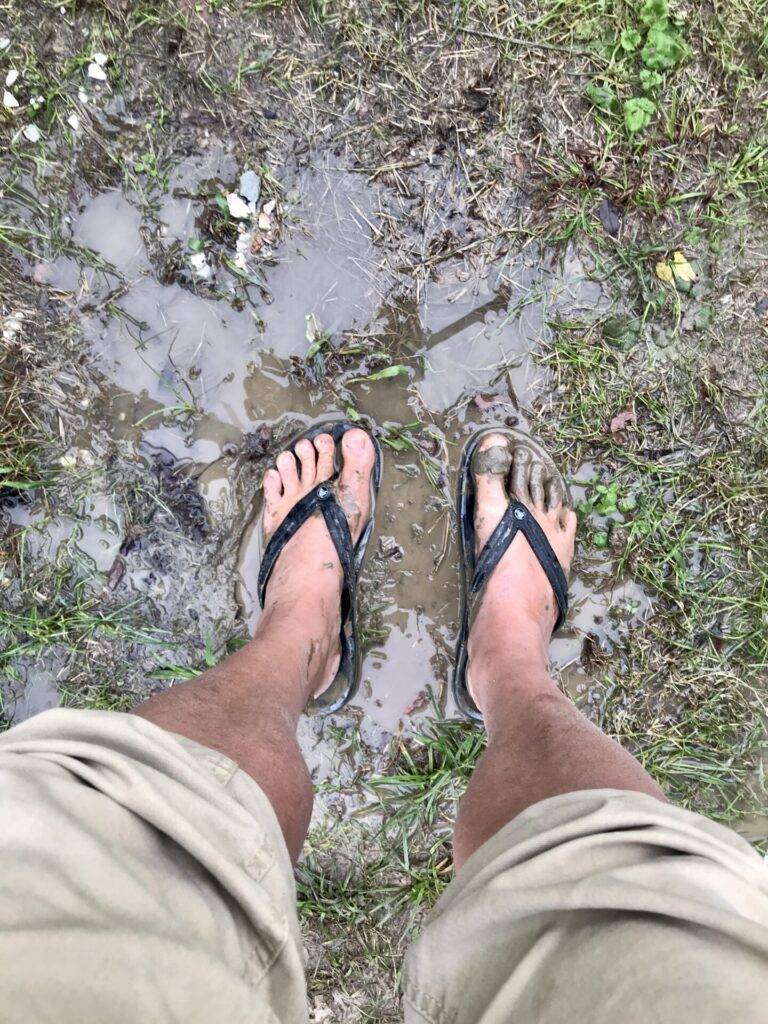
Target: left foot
column 304, row 590
column 514, row 622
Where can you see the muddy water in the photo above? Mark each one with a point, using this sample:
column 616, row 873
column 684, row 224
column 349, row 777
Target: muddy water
column 194, row 371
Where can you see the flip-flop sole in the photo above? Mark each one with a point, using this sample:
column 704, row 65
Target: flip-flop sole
column 465, row 513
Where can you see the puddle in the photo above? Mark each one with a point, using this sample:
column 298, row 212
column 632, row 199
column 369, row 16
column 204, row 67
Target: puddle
column 197, row 374
column 34, row 692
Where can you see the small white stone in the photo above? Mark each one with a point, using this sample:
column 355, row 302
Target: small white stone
column 82, row 95
column 96, row 71
column 100, row 59
column 36, row 101
column 74, row 122
column 32, row 133
column 238, row 207
column 5, row 42
column 11, row 77
column 9, row 100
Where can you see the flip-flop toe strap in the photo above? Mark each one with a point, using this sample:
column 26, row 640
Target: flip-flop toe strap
column 518, row 518
column 321, row 497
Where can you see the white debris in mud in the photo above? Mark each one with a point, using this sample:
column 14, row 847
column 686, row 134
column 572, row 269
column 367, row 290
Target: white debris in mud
column 82, row 95
column 200, row 265
column 12, row 325
column 238, row 208
column 242, row 249
column 74, row 122
column 9, row 100
column 5, row 42
column 11, row 77
column 32, row 133
column 100, row 59
column 256, row 236
column 36, row 102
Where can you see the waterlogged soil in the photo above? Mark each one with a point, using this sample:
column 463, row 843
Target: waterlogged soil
column 196, row 373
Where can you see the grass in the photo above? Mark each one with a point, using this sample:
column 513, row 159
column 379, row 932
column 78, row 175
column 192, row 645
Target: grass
column 484, row 130
column 21, row 432
column 428, row 773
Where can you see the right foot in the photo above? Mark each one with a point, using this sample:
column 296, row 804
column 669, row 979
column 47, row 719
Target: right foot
column 518, row 609
column 304, row 590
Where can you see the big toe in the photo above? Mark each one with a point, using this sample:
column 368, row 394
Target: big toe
column 490, row 467
column 354, row 490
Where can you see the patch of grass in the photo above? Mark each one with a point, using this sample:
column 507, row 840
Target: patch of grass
column 429, row 773
column 101, row 697
column 24, row 443
column 51, row 605
column 686, row 693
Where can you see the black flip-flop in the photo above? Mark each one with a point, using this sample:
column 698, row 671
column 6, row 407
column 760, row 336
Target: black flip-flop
column 351, row 556
column 476, row 571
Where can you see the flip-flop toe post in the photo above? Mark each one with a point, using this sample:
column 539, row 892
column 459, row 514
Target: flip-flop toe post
column 476, row 568
column 323, row 499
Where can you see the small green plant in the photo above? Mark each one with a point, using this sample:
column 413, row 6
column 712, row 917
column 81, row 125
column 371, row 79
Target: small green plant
column 638, row 113
column 644, row 52
column 611, row 504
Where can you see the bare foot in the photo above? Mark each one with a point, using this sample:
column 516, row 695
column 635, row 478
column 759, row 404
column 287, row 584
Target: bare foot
column 518, row 611
column 305, row 586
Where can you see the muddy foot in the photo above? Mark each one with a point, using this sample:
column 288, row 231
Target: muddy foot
column 305, row 585
column 515, row 620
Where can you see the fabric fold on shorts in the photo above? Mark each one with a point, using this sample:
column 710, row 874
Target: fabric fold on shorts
column 598, row 906
column 142, row 877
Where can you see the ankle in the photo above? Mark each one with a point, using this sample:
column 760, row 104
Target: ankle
column 508, row 654
column 301, row 638
column 505, row 635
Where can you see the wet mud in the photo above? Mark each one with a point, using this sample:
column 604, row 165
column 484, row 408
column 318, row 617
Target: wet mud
column 201, row 368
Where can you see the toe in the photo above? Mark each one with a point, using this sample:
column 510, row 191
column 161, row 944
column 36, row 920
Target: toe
column 325, row 449
column 307, row 456
column 490, row 487
column 357, row 450
column 536, row 486
column 521, row 467
column 354, row 480
column 553, row 493
column 273, row 487
column 289, row 473
column 567, row 520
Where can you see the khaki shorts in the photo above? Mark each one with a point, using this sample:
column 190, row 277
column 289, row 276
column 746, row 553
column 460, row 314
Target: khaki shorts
column 145, row 878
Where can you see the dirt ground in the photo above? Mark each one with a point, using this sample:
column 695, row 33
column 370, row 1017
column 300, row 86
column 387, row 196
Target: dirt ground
column 220, row 221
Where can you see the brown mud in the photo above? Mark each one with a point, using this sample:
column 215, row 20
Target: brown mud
column 198, row 379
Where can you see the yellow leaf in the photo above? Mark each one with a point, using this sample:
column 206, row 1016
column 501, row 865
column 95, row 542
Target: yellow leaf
column 664, row 273
column 682, row 268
